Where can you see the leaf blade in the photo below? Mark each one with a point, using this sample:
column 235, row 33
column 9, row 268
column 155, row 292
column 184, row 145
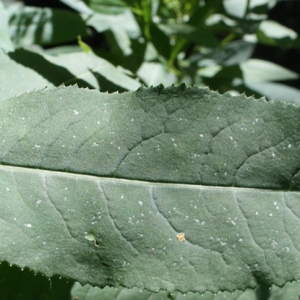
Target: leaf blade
column 146, row 135
column 169, row 231
column 226, row 237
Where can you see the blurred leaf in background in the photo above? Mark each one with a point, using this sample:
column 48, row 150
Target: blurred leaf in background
column 208, row 43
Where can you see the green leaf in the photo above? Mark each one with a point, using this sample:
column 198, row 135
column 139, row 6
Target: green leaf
column 78, row 5
column 122, row 40
column 55, row 73
column 108, row 6
column 199, row 13
column 256, row 70
column 158, row 148
column 200, row 35
column 174, row 189
column 275, row 91
column 43, row 26
column 236, row 8
column 155, row 73
column 290, row 291
column 160, row 41
column 12, row 72
column 276, row 30
column 81, row 68
column 123, row 27
column 5, row 41
column 219, row 20
column 239, row 8
column 222, row 79
column 273, row 33
column 124, row 21
column 88, row 292
column 234, row 53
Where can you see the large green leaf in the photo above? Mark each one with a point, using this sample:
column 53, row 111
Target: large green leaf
column 173, row 189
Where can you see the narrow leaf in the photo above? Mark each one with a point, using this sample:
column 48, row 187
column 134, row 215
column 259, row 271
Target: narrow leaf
column 262, row 70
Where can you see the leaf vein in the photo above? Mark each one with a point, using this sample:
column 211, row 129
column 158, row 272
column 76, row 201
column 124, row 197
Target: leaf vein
column 102, row 193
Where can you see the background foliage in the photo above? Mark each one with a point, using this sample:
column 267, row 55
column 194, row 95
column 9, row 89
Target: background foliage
column 228, row 45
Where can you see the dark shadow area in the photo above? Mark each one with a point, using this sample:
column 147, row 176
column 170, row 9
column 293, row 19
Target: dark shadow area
column 17, row 284
column 222, row 81
column 106, row 85
column 262, row 292
column 47, row 3
column 133, row 61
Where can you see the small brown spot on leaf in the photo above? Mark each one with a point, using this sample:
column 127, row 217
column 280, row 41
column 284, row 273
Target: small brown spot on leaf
column 181, row 237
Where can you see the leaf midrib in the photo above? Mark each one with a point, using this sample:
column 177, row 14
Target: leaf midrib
column 13, row 168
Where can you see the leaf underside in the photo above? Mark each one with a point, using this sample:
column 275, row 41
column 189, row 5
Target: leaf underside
column 101, row 188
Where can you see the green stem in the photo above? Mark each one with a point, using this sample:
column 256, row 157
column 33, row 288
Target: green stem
column 142, row 9
column 146, row 9
column 176, row 49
